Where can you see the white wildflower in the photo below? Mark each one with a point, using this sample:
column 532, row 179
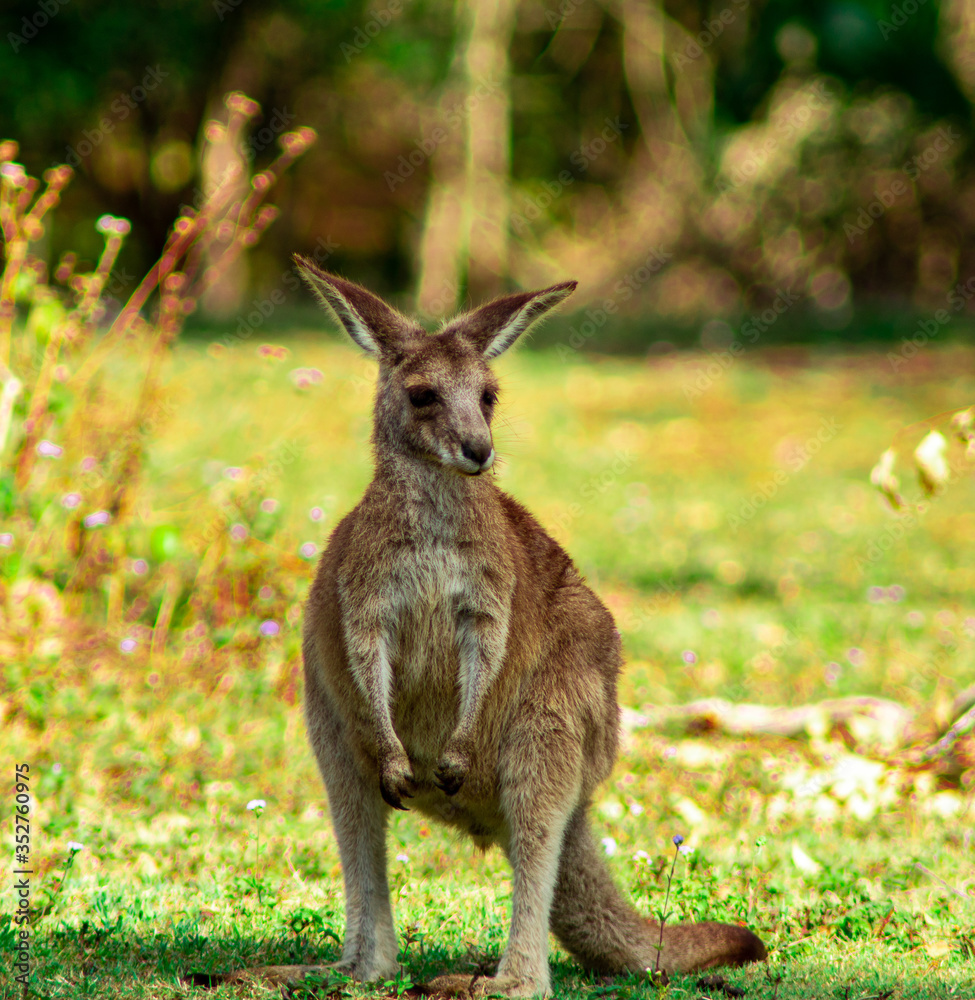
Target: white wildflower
column 932, row 466
column 882, row 476
column 963, row 423
column 804, row 862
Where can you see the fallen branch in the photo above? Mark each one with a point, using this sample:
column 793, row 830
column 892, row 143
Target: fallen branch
column 742, row 719
column 862, row 720
column 964, row 700
column 868, row 720
column 962, row 725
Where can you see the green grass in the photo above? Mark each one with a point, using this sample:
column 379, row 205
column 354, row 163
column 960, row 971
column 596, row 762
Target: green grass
column 150, row 758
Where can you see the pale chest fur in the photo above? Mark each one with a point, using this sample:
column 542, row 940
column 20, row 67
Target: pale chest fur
column 427, row 588
column 424, row 592
column 425, row 606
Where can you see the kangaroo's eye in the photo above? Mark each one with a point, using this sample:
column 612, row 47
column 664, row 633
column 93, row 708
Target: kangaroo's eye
column 422, row 397
column 489, row 398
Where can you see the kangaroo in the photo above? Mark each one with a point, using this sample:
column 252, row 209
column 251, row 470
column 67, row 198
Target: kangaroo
column 457, row 663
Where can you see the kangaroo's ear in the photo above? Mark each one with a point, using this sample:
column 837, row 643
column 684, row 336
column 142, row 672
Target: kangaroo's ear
column 496, row 326
column 373, row 325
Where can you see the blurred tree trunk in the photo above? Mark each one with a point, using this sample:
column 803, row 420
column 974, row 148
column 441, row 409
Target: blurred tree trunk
column 488, row 74
column 225, row 296
column 445, row 231
column 466, row 227
column 664, row 180
column 245, row 70
column 958, row 33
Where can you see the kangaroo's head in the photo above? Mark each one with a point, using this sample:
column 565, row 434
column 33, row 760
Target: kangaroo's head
column 436, row 394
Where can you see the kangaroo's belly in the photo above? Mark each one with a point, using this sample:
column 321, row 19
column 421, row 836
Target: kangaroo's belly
column 480, row 818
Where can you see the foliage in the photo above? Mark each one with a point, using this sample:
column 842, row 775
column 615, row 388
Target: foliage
column 72, row 507
column 817, row 148
column 151, row 663
column 641, row 483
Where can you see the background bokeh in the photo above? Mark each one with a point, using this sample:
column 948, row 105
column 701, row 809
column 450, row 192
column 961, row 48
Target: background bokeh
column 683, row 160
column 769, row 208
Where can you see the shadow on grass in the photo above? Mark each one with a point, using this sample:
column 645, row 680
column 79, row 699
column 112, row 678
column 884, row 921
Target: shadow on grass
column 107, row 960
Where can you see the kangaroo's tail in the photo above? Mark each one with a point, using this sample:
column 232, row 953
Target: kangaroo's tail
column 604, row 933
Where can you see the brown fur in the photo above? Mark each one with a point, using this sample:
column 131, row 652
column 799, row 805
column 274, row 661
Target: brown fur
column 456, row 661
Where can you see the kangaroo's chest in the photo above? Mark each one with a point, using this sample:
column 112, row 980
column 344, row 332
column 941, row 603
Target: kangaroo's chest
column 430, row 576
column 428, row 585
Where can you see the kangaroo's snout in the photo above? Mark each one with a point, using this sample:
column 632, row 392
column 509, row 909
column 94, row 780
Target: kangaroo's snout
column 480, row 453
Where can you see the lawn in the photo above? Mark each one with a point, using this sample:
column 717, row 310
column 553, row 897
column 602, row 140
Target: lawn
column 725, row 514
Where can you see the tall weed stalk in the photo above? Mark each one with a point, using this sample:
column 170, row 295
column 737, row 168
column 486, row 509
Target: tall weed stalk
column 74, row 437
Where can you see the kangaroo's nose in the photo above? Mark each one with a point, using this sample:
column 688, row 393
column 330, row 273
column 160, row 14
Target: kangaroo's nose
column 478, row 453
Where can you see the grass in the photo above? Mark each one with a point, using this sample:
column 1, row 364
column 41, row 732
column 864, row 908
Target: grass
column 147, row 752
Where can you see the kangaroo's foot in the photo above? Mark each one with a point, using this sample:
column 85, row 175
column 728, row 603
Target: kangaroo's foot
column 364, row 972
column 396, row 779
column 475, row 987
column 453, row 766
column 332, row 974
column 269, row 975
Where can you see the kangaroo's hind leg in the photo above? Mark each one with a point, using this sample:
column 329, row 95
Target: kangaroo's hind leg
column 359, row 818
column 539, row 778
column 559, row 744
column 540, row 785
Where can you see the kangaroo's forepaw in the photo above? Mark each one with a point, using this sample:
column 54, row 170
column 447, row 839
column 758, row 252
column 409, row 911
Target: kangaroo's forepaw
column 396, row 781
column 452, row 770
